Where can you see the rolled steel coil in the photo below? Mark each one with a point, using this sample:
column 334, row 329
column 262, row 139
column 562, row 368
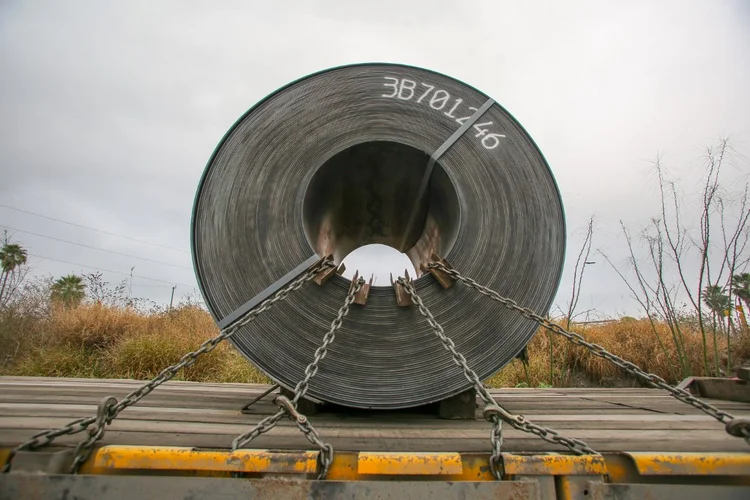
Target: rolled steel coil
column 334, row 161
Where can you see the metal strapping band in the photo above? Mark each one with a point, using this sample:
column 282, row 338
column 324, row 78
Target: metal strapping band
column 434, row 158
column 280, row 283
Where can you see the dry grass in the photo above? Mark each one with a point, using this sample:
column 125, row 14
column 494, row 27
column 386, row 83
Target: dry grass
column 112, row 342
column 109, row 342
column 633, row 340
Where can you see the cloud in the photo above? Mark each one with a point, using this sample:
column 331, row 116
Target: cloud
column 110, row 110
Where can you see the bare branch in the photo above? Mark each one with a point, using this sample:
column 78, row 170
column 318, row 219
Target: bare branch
column 581, row 261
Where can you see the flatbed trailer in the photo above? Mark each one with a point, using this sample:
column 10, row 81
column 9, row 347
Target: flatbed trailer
column 176, row 444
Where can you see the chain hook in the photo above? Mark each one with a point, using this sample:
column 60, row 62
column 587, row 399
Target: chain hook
column 739, row 427
column 492, row 411
column 104, row 413
column 104, row 416
column 291, row 409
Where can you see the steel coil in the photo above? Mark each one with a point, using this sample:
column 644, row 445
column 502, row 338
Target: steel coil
column 334, row 161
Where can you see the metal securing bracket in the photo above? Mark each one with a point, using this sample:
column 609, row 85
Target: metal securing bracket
column 402, row 298
column 286, row 404
column 361, row 296
column 246, row 409
column 445, row 280
column 523, row 356
column 326, row 274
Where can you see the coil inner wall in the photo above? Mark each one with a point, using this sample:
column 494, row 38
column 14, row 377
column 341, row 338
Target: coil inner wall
column 366, row 194
column 329, row 163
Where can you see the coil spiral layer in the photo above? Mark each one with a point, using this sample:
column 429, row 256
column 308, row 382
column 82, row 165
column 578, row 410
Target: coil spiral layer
column 335, row 161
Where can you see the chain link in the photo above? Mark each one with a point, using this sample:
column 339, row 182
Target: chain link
column 493, row 412
column 289, row 407
column 103, row 419
column 44, row 438
column 738, row 427
column 83, row 449
column 496, row 440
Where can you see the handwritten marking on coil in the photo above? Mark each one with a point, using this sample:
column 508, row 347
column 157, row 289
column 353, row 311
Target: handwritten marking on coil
column 404, row 89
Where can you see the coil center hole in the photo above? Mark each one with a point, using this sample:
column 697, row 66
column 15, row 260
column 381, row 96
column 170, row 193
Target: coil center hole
column 369, row 194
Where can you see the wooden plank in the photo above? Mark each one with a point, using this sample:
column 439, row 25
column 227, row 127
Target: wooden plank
column 207, row 415
column 286, row 428
column 199, row 396
column 323, row 421
column 215, row 392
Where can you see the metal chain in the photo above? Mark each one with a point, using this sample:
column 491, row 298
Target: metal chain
column 103, row 419
column 493, row 412
column 46, row 437
column 735, row 427
column 289, row 407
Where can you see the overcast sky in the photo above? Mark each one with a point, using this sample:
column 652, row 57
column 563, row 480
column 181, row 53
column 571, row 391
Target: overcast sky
column 109, row 110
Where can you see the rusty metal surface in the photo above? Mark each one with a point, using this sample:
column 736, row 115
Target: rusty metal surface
column 575, row 487
column 692, row 464
column 112, row 459
column 421, row 464
column 326, row 274
column 445, row 280
column 600, row 491
column 553, row 464
column 360, row 298
column 402, row 298
column 55, row 487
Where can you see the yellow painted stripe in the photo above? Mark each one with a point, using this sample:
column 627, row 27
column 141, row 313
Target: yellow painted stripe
column 553, row 465
column 426, row 464
column 445, row 466
column 698, row 464
column 176, row 458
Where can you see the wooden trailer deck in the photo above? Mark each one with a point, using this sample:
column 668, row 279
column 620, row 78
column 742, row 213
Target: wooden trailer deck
column 190, row 414
column 175, row 444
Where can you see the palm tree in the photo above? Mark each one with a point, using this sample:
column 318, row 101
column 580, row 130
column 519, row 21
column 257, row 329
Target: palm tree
column 715, row 298
column 741, row 287
column 12, row 255
column 718, row 302
column 68, row 290
column 741, row 290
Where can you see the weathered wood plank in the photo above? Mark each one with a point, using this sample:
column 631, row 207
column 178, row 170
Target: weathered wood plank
column 384, row 421
column 207, row 415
